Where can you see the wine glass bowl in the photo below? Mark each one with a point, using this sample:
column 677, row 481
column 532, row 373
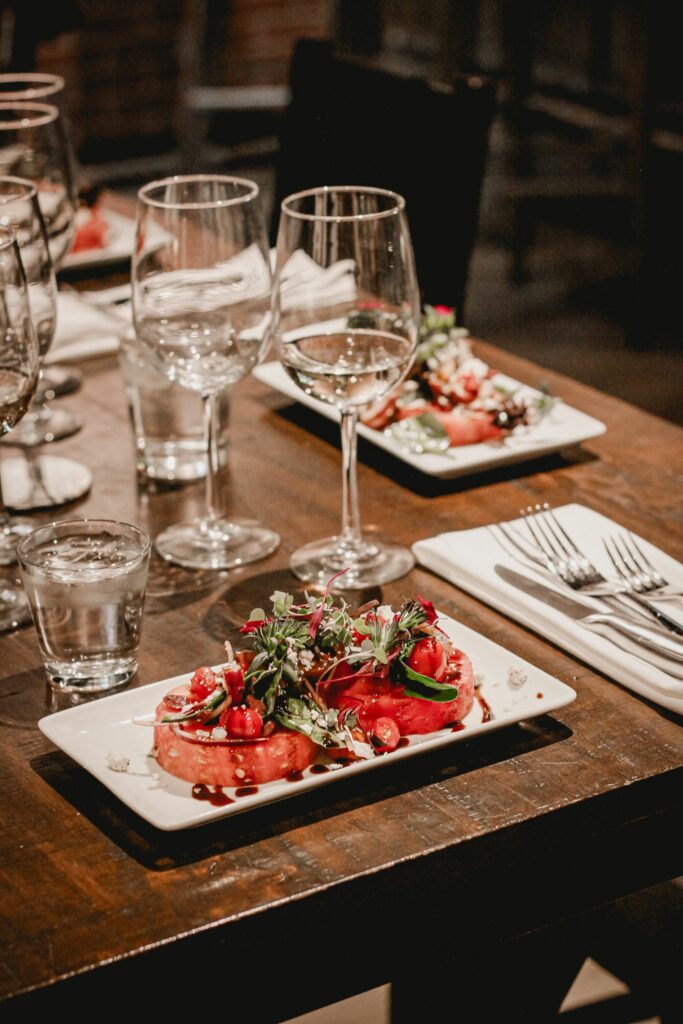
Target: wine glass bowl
column 32, row 145
column 201, row 302
column 19, row 362
column 346, row 316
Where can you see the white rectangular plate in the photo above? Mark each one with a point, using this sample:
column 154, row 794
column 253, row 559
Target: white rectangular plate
column 120, row 246
column 563, row 427
column 92, row 732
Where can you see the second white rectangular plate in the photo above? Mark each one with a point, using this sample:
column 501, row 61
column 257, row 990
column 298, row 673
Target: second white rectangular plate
column 561, row 428
column 92, row 733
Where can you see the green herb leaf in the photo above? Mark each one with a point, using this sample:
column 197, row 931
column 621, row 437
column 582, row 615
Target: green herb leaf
column 282, row 602
column 427, row 688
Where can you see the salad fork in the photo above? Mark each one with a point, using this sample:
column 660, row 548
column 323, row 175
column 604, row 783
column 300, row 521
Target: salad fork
column 637, row 573
column 566, row 561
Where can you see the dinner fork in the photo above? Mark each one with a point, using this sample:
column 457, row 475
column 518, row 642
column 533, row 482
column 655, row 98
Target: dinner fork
column 635, row 570
column 565, row 560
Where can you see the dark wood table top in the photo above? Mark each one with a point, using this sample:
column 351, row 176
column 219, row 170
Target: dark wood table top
column 500, row 834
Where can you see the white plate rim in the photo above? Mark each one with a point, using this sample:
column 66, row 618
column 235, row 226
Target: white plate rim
column 575, row 427
column 64, row 727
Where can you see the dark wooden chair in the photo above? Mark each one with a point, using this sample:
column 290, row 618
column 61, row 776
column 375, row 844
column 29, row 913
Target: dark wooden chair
column 353, row 123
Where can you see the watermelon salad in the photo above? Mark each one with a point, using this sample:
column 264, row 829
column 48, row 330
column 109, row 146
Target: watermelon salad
column 451, row 397
column 318, row 682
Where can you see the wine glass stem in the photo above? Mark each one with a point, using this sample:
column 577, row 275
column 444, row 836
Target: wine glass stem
column 5, row 527
column 350, row 530
column 214, row 504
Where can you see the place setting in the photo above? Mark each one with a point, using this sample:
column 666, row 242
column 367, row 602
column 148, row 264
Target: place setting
column 275, row 732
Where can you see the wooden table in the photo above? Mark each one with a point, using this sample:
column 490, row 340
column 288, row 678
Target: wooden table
column 335, row 891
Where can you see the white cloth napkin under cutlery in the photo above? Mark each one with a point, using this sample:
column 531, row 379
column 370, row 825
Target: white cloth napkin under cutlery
column 468, row 559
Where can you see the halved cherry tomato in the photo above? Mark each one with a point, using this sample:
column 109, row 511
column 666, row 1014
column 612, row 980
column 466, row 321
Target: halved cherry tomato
column 428, row 657
column 241, row 722
column 384, row 735
column 203, row 683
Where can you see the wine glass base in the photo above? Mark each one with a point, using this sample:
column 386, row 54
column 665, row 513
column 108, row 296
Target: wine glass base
column 14, row 609
column 218, row 545
column 59, row 380
column 10, row 537
column 43, row 481
column 33, row 431
column 368, row 565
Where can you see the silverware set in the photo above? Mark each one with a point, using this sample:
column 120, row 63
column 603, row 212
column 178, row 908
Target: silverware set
column 632, row 612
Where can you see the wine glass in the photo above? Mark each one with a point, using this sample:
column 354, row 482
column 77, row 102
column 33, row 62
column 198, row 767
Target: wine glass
column 25, row 86
column 32, row 146
column 346, row 314
column 19, row 361
column 20, row 211
column 201, row 303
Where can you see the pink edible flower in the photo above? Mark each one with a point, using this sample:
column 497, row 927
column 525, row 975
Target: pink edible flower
column 317, row 616
column 444, row 310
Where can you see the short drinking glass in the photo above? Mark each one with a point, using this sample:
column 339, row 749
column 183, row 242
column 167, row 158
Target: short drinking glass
column 85, row 581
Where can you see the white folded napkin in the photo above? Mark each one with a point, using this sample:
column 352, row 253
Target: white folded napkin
column 468, row 558
column 85, row 330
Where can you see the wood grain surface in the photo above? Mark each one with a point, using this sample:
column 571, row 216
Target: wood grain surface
column 498, row 836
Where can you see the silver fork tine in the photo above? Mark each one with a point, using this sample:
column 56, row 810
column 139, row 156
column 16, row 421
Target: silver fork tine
column 632, row 567
column 533, row 522
column 647, row 566
column 615, row 557
column 584, row 562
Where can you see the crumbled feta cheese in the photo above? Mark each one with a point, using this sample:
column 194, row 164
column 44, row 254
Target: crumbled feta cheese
column 240, row 773
column 118, row 762
column 219, row 733
column 516, row 677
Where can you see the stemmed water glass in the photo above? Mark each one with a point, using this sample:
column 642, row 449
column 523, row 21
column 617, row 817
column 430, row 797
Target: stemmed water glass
column 346, row 313
column 201, row 302
column 18, row 378
column 32, row 146
column 25, row 87
column 20, row 211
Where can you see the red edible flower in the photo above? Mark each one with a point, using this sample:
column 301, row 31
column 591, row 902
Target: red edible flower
column 428, row 608
column 444, row 310
column 253, row 624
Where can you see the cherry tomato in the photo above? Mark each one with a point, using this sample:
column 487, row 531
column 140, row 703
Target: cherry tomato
column 234, row 681
column 428, row 657
column 384, row 735
column 241, row 722
column 203, row 683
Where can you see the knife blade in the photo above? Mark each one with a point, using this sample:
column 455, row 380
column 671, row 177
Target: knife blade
column 652, row 645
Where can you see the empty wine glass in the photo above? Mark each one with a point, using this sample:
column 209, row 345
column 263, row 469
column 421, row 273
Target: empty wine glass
column 18, row 378
column 201, row 302
column 19, row 210
column 346, row 314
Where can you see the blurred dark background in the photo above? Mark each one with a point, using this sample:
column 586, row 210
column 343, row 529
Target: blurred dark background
column 577, row 261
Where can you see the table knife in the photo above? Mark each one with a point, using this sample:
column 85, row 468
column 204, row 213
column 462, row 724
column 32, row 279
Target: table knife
column 654, row 646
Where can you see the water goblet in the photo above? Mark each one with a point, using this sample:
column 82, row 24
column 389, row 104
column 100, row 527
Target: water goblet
column 20, row 211
column 18, row 378
column 346, row 313
column 201, row 303
column 27, row 86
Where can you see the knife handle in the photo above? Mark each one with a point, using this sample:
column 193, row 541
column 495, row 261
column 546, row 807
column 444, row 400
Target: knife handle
column 653, row 646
